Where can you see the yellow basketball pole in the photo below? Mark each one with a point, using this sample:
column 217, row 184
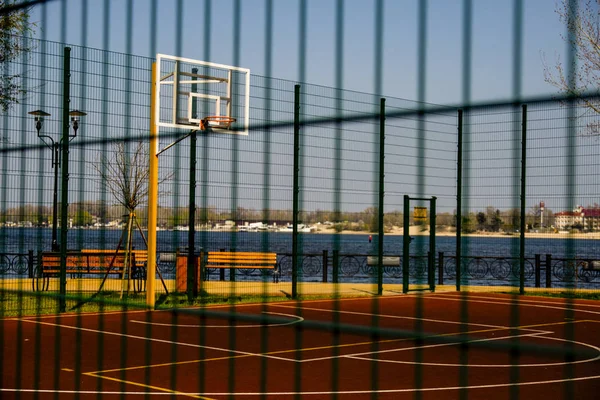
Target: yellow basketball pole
column 152, row 197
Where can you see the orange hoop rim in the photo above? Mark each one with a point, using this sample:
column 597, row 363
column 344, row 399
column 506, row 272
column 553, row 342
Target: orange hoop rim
column 219, row 121
column 219, row 118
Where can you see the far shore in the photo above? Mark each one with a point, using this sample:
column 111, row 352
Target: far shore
column 419, row 231
column 424, row 231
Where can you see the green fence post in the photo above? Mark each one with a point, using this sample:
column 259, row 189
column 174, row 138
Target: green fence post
column 538, row 266
column 30, row 264
column 335, row 273
column 64, row 217
column 548, row 270
column 296, row 191
column 381, row 195
column 459, row 158
column 201, row 270
column 222, row 271
column 405, row 244
column 192, row 286
column 325, row 262
column 431, row 262
column 441, row 268
column 232, row 270
column 523, row 197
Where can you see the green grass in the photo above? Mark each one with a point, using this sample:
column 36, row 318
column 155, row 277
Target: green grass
column 26, row 303
column 175, row 300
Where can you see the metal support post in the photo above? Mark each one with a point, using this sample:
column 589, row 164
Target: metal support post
column 381, row 197
column 523, row 198
column 459, row 157
column 55, row 165
column 405, row 244
column 432, row 220
column 192, row 275
column 64, row 217
column 296, row 191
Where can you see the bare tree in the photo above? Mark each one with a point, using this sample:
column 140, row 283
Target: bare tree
column 583, row 34
column 126, row 173
column 15, row 28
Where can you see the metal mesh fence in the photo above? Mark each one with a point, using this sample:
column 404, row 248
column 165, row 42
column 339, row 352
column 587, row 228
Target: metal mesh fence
column 333, row 194
column 244, row 184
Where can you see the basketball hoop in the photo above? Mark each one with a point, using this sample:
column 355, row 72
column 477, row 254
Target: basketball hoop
column 216, row 121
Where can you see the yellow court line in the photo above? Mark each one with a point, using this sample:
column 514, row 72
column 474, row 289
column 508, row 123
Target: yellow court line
column 105, row 371
column 552, row 324
column 193, row 396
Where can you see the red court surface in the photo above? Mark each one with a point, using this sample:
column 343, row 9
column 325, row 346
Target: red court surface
column 294, row 352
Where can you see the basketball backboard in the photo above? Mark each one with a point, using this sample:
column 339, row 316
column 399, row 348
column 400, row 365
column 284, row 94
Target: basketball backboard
column 188, row 91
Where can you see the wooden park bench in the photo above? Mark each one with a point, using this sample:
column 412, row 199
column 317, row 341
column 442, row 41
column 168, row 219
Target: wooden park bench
column 140, row 257
column 139, row 261
column 87, row 262
column 223, row 260
column 240, row 260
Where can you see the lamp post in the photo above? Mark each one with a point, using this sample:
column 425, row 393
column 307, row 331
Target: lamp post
column 56, row 150
column 55, row 147
column 75, row 116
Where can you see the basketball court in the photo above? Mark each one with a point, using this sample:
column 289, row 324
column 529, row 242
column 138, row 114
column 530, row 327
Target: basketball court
column 453, row 345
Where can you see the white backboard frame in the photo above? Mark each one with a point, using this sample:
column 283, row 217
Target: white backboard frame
column 223, row 104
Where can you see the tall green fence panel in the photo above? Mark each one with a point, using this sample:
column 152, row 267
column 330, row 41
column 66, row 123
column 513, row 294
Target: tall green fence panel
column 311, row 241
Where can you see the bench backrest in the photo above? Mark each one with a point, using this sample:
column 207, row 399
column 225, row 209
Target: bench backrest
column 226, row 259
column 140, row 256
column 83, row 261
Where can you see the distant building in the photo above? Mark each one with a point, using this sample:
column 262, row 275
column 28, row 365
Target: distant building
column 591, row 219
column 588, row 218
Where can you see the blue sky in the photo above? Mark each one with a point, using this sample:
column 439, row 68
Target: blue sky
column 125, row 26
column 492, row 40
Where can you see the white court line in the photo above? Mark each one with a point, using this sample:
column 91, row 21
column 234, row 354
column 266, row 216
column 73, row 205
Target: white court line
column 408, row 390
column 563, row 363
column 509, row 302
column 452, row 298
column 108, row 333
column 297, row 320
column 519, row 299
column 441, row 321
column 358, row 355
column 395, row 317
column 321, row 394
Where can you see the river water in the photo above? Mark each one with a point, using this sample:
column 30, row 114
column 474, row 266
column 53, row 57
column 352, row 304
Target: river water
column 352, row 269
column 21, row 240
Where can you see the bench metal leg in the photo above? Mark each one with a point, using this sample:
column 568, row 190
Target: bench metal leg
column 41, row 283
